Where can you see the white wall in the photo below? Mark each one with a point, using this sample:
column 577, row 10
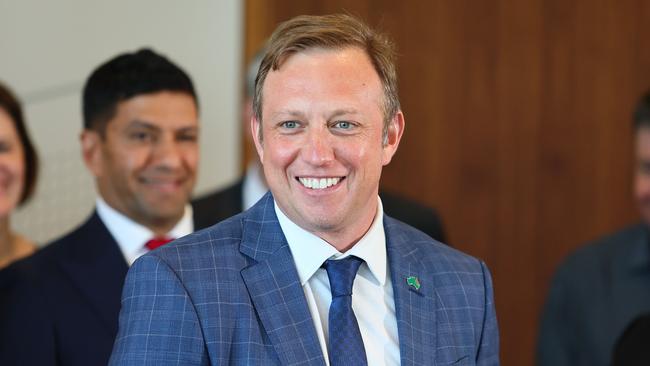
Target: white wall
column 48, row 48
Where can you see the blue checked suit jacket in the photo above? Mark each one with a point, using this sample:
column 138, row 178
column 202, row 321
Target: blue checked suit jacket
column 230, row 295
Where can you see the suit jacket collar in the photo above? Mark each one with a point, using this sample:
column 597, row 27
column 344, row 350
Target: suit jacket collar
column 274, row 287
column 94, row 263
column 415, row 307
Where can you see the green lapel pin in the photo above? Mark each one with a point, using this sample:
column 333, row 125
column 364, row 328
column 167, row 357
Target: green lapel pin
column 413, row 282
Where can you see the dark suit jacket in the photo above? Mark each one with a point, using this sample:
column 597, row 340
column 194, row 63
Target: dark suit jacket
column 61, row 305
column 632, row 346
column 595, row 294
column 231, row 295
column 229, row 202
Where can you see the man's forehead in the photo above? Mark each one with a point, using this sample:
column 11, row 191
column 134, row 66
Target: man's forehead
column 344, row 67
column 154, row 125
column 316, row 52
column 157, row 110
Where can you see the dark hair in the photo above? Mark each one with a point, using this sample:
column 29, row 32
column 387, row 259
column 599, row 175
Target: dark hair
column 335, row 31
column 126, row 76
column 641, row 116
column 11, row 105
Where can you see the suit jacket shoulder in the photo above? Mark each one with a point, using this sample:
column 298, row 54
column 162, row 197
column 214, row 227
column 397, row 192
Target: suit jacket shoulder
column 64, row 296
column 443, row 298
column 595, row 292
column 622, row 249
column 212, row 312
column 231, row 294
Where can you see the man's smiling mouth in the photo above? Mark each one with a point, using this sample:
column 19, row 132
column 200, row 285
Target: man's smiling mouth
column 319, row 183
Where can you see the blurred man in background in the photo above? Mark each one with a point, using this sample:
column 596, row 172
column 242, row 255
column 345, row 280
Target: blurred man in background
column 140, row 142
column 605, row 285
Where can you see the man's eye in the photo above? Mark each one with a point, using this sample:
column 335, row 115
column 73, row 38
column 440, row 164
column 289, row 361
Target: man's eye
column 644, row 168
column 141, row 136
column 290, row 124
column 344, row 125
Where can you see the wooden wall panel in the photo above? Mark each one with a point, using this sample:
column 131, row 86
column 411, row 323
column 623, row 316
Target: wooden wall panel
column 518, row 119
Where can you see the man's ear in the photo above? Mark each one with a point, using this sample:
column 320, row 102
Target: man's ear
column 393, row 137
column 91, row 146
column 256, row 131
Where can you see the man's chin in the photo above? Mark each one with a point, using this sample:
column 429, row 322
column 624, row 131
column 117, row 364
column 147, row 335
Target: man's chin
column 321, row 223
column 166, row 212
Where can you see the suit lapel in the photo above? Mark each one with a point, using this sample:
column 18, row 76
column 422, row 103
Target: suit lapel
column 275, row 290
column 415, row 307
column 94, row 263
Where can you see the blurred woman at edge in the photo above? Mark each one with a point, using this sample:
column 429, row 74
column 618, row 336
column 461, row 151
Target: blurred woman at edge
column 18, row 171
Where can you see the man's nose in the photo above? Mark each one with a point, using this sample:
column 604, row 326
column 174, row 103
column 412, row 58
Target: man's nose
column 318, row 149
column 167, row 153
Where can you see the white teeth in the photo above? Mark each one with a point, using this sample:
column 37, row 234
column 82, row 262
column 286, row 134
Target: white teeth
column 319, row 183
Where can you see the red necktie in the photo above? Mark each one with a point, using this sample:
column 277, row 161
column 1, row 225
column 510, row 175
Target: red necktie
column 157, row 242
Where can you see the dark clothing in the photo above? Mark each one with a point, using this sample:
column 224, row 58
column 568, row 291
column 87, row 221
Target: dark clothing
column 595, row 294
column 632, row 347
column 415, row 214
column 61, row 305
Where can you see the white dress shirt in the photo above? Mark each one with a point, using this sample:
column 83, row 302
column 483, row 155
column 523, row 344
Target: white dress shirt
column 254, row 186
column 131, row 236
column 372, row 292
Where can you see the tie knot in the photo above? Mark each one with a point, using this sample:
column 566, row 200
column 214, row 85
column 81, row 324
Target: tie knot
column 157, row 242
column 341, row 274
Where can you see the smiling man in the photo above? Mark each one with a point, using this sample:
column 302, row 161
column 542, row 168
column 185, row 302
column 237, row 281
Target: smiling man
column 314, row 273
column 139, row 141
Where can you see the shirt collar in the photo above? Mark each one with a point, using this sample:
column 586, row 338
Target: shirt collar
column 131, row 236
column 310, row 252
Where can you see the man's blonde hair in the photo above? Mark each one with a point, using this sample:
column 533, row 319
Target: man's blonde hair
column 336, row 31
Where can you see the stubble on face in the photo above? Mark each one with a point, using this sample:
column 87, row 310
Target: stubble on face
column 323, row 149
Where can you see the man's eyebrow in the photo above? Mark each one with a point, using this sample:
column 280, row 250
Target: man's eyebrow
column 296, row 113
column 287, row 113
column 188, row 129
column 340, row 112
column 138, row 123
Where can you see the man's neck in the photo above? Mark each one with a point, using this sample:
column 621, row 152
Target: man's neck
column 345, row 237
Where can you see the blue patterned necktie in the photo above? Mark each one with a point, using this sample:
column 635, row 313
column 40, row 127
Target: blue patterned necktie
column 345, row 343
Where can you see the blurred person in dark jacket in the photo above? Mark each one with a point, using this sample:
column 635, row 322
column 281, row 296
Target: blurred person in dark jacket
column 603, row 286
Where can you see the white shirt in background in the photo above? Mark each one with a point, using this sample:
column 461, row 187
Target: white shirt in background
column 254, row 186
column 131, row 236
